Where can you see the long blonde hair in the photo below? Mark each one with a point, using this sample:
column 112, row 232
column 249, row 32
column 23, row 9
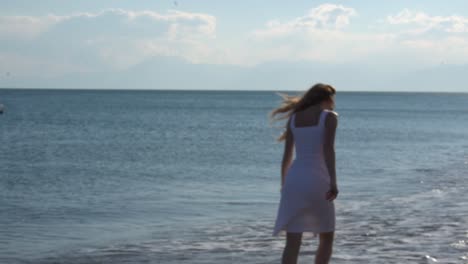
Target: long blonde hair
column 291, row 104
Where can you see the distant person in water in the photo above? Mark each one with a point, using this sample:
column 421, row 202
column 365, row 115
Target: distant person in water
column 308, row 184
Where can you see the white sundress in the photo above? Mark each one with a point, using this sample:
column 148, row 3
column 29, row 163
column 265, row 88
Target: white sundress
column 303, row 206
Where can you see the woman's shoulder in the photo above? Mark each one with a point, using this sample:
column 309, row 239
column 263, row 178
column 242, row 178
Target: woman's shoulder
column 331, row 112
column 331, row 119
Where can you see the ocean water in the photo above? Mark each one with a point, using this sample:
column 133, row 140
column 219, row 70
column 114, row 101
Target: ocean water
column 193, row 177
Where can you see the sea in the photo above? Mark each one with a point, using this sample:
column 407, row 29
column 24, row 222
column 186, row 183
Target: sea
column 140, row 176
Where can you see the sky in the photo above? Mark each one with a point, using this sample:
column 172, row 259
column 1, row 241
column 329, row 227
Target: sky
column 235, row 45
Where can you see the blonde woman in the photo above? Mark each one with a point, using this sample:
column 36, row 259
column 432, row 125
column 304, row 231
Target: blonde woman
column 308, row 183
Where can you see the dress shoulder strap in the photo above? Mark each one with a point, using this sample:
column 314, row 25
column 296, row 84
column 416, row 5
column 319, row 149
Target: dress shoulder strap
column 323, row 116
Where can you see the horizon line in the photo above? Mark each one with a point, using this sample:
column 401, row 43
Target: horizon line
column 223, row 90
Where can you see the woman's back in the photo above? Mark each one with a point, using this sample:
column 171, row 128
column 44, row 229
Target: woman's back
column 307, row 180
column 309, row 139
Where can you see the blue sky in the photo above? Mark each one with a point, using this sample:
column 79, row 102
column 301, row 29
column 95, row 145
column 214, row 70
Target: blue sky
column 253, row 45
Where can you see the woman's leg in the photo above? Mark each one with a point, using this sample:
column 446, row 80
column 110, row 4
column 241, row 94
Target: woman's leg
column 291, row 250
column 325, row 247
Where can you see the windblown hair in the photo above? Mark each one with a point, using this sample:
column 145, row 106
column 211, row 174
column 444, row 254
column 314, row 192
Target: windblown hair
column 291, row 104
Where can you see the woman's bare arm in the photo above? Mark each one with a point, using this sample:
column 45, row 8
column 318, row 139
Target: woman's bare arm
column 331, row 124
column 288, row 152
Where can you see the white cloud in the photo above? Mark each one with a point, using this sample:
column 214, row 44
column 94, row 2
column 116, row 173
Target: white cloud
column 322, row 17
column 430, row 39
column 425, row 22
column 178, row 22
column 323, row 36
column 25, row 26
column 320, row 36
column 118, row 38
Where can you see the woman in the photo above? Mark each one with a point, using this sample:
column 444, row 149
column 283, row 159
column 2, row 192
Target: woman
column 308, row 184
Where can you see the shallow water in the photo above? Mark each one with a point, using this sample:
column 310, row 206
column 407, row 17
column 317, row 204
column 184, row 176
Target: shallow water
column 193, row 177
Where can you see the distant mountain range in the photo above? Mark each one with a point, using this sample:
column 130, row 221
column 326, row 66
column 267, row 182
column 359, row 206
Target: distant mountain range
column 175, row 73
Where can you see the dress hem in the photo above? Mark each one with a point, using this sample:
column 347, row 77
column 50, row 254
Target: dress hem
column 313, row 231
